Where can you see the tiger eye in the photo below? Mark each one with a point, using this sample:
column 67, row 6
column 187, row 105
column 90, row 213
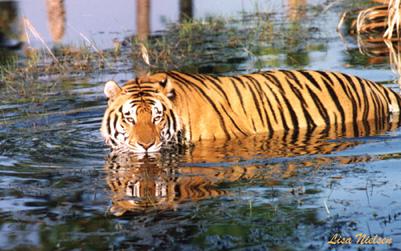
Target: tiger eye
column 171, row 95
column 157, row 119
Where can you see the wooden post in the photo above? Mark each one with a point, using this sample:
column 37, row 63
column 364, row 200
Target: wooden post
column 186, row 10
column 56, row 19
column 143, row 19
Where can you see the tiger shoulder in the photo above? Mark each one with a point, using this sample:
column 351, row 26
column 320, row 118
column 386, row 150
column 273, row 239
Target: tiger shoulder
column 199, row 106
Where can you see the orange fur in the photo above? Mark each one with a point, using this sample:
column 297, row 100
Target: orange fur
column 208, row 107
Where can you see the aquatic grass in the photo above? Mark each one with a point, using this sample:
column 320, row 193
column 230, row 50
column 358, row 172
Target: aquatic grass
column 212, row 44
column 372, row 20
column 395, row 58
column 45, row 63
column 394, row 19
column 29, row 28
column 192, row 45
column 377, row 30
column 384, row 19
column 8, row 66
column 36, row 63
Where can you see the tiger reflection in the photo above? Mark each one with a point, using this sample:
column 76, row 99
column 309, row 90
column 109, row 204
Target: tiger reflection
column 168, row 180
column 149, row 183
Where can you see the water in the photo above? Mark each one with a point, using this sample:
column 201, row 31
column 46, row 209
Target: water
column 61, row 188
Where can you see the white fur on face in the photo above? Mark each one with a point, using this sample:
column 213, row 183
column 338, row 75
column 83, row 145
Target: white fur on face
column 129, row 110
column 157, row 112
column 139, row 149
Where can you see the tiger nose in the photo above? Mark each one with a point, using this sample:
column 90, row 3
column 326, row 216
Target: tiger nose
column 146, row 145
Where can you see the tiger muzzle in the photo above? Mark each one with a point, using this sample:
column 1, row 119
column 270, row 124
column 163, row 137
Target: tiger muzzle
column 145, row 135
column 146, row 146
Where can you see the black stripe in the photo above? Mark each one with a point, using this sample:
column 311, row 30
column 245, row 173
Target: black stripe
column 190, row 127
column 134, row 100
column 172, row 115
column 114, row 132
column 272, row 79
column 344, row 86
column 376, row 105
column 239, row 95
column 217, row 85
column 355, row 117
column 181, row 81
column 366, row 103
column 311, row 79
column 232, row 121
column 386, row 92
column 253, row 125
column 181, row 84
column 113, row 142
column 336, row 124
column 309, row 121
column 115, row 122
column 197, row 78
column 261, row 92
column 240, row 81
column 167, row 125
column 221, row 119
column 293, row 115
column 256, row 102
column 382, row 101
column 293, row 77
column 334, row 97
column 295, row 136
column 152, row 103
column 350, row 95
column 352, row 85
column 398, row 98
column 163, row 106
column 278, row 83
column 326, row 77
column 108, row 122
column 319, row 105
column 131, row 89
column 269, row 103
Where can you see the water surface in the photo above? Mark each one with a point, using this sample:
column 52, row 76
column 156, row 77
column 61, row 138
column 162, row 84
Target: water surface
column 61, row 187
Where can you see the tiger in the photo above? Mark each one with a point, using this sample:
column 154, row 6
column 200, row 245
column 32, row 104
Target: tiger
column 152, row 111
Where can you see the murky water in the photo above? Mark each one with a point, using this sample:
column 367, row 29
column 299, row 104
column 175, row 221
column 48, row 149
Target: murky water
column 61, row 188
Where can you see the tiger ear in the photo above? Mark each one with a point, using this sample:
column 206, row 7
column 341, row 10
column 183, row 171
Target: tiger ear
column 111, row 89
column 167, row 88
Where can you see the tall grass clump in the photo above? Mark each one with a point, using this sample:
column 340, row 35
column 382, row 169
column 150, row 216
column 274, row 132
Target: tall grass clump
column 377, row 29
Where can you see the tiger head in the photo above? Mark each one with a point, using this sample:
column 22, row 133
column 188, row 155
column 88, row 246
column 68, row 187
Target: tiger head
column 140, row 116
